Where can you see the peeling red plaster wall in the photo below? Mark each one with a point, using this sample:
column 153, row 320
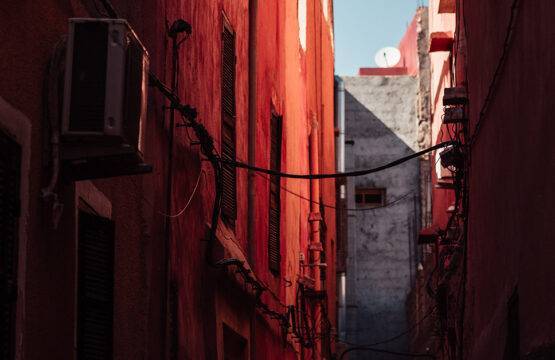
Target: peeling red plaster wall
column 282, row 81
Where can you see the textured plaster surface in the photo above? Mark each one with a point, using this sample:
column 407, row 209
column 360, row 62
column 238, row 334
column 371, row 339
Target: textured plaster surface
column 381, row 119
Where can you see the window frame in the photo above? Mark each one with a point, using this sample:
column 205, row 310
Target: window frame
column 370, row 191
column 89, row 199
column 228, row 131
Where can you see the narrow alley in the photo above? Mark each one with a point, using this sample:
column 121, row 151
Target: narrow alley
column 278, row 179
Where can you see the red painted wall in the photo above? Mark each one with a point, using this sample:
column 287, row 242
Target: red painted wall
column 296, row 82
column 510, row 241
column 511, row 199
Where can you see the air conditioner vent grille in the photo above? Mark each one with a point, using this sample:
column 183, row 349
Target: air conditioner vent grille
column 88, row 86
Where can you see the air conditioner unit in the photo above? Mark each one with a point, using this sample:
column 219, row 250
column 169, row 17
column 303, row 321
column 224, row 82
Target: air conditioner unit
column 105, row 94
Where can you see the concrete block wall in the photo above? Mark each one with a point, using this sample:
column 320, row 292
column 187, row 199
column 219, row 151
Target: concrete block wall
column 381, row 126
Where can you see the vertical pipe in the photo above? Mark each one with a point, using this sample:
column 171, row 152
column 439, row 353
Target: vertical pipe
column 168, row 224
column 251, row 195
column 340, row 121
column 253, row 17
column 340, row 146
column 315, row 244
column 314, row 202
column 342, row 311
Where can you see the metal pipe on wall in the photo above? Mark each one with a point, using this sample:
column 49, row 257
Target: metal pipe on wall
column 340, row 154
column 315, row 244
column 340, row 122
column 251, row 229
column 253, row 17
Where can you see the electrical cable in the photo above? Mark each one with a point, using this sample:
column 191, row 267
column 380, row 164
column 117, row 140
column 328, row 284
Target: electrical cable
column 382, row 351
column 284, row 188
column 180, row 212
column 497, row 73
column 52, row 88
column 207, row 148
column 99, row 13
column 338, row 175
column 396, row 337
column 302, row 197
column 109, row 8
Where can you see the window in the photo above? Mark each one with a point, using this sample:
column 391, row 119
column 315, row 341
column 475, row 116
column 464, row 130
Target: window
column 370, row 198
column 95, row 288
column 229, row 177
column 274, row 256
column 10, row 167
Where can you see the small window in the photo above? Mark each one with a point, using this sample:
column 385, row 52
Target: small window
column 228, row 136
column 370, row 198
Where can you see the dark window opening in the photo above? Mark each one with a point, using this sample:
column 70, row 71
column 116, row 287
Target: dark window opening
column 95, row 291
column 274, row 252
column 10, row 168
column 228, row 136
column 235, row 346
column 370, row 197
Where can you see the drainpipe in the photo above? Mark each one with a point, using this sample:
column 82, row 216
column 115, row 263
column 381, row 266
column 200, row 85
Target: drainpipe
column 340, row 146
column 315, row 216
column 253, row 17
column 340, row 121
column 251, row 230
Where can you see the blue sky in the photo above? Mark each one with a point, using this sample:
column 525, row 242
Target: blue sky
column 362, row 27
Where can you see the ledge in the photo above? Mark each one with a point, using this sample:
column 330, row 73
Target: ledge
column 441, row 41
column 447, row 7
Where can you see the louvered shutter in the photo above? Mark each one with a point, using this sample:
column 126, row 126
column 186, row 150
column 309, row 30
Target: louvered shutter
column 10, row 163
column 229, row 196
column 274, row 256
column 95, row 288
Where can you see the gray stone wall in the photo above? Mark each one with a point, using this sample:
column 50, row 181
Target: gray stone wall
column 382, row 124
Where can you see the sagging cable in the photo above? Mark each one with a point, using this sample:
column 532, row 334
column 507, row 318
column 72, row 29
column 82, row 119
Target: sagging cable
column 339, row 175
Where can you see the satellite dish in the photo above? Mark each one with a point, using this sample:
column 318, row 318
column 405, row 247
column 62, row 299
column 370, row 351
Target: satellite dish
column 387, row 57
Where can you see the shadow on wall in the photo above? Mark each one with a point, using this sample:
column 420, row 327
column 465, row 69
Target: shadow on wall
column 381, row 264
column 389, row 128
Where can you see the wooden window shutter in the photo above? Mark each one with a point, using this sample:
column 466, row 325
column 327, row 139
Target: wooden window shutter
column 228, row 135
column 274, row 256
column 10, row 167
column 95, row 287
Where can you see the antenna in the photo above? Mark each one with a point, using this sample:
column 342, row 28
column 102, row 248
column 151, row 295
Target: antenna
column 387, row 57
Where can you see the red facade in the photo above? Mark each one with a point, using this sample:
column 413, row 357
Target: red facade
column 497, row 302
column 168, row 301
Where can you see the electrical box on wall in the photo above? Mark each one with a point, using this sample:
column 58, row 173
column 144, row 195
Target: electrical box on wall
column 454, row 115
column 105, row 95
column 455, row 96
